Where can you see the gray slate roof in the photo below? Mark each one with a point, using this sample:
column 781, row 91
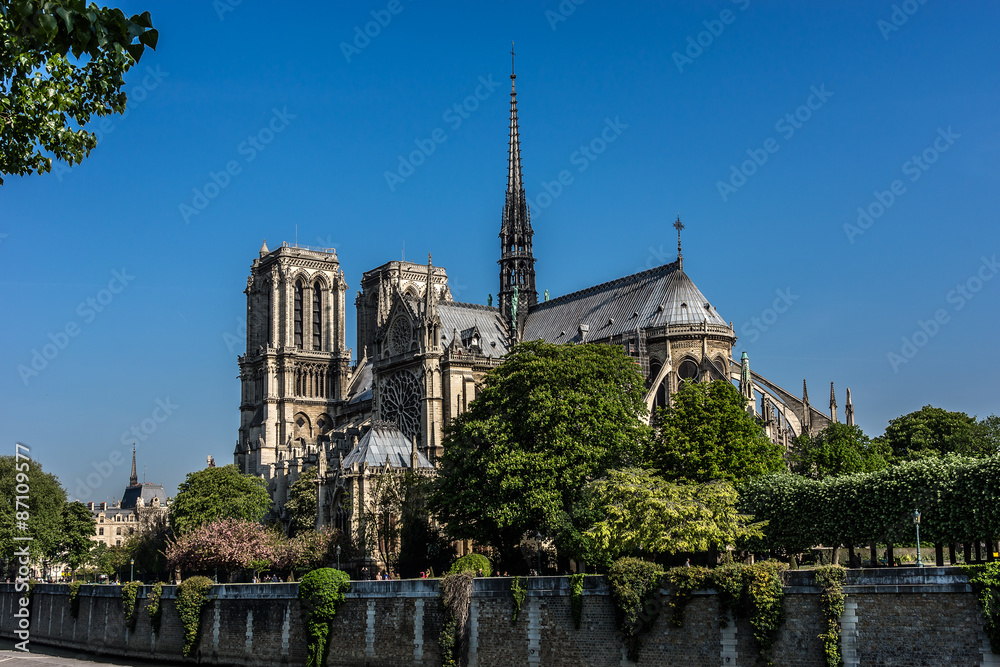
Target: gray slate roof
column 147, row 491
column 360, row 388
column 384, row 441
column 466, row 318
column 660, row 296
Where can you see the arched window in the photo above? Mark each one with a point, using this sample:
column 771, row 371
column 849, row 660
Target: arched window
column 688, row 369
column 317, row 320
column 298, row 313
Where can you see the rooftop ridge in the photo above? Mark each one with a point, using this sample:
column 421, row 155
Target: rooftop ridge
column 566, row 298
column 464, row 304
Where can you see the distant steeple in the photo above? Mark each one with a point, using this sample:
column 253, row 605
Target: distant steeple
column 678, row 225
column 849, row 409
column 134, row 479
column 833, row 404
column 517, row 263
column 429, row 291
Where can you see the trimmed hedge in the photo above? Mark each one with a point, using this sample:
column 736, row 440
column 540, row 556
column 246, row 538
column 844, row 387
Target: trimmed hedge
column 472, row 563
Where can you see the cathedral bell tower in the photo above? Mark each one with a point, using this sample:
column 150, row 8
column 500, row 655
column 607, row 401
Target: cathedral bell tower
column 517, row 263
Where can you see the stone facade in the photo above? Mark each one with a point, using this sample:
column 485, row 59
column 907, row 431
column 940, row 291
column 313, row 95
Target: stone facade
column 916, row 620
column 143, row 507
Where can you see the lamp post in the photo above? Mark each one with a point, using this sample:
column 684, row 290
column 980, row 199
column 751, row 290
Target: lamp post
column 538, row 544
column 916, row 522
column 338, row 556
column 131, row 575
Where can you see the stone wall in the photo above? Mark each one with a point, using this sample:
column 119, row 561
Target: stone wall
column 901, row 616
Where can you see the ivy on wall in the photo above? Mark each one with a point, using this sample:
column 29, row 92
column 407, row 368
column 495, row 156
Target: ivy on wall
column 130, row 596
column 519, row 591
column 456, row 597
column 320, row 593
column 985, row 581
column 831, row 579
column 576, row 598
column 154, row 608
column 74, row 598
column 192, row 594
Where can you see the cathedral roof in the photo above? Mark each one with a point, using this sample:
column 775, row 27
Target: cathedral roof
column 467, row 318
column 147, row 491
column 360, row 388
column 381, row 442
column 664, row 295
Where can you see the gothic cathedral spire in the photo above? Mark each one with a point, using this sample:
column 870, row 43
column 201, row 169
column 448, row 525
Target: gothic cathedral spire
column 134, row 479
column 517, row 263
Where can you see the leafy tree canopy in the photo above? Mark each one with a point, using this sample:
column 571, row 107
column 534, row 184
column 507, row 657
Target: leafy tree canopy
column 839, row 449
column 218, row 493
column 645, row 513
column 934, row 431
column 41, row 508
column 706, row 434
column 546, row 421
column 301, row 505
column 76, row 545
column 61, row 62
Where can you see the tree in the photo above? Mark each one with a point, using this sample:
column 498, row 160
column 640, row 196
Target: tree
column 76, row 545
column 547, row 421
column 227, row 544
column 987, row 433
column 110, row 560
column 381, row 511
column 301, row 505
column 218, row 493
column 839, row 449
column 61, row 62
column 706, row 434
column 934, row 431
column 31, row 503
column 644, row 513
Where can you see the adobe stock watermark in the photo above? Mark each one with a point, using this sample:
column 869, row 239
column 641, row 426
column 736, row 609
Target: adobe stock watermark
column 562, row 13
column 914, row 168
column 108, row 124
column 86, row 311
column 235, row 341
column 581, row 158
column 249, row 148
column 454, row 116
column 147, row 427
column 901, row 13
column 381, row 19
column 223, row 7
column 22, row 517
column 88, row 485
column 757, row 325
column 696, row 44
column 787, row 126
column 656, row 257
column 958, row 297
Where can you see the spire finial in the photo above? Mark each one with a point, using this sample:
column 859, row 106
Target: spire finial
column 512, row 54
column 678, row 225
column 134, row 479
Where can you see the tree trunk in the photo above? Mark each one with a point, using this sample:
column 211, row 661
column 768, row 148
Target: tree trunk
column 889, row 558
column 989, row 550
column 874, row 554
column 835, row 557
column 967, row 552
column 979, row 552
column 939, row 554
column 851, row 557
column 952, row 556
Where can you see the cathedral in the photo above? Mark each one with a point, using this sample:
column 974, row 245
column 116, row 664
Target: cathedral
column 422, row 355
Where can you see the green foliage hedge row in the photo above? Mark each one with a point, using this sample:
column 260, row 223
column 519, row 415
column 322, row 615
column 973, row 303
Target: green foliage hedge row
column 956, row 497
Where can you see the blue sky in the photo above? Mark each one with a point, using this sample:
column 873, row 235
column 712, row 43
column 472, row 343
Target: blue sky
column 766, row 125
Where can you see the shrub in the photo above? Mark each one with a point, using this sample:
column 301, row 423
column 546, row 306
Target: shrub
column 320, row 593
column 456, row 594
column 684, row 581
column 191, row 598
column 472, row 563
column 754, row 592
column 634, row 584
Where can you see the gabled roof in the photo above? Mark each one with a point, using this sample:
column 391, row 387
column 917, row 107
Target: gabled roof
column 660, row 296
column 360, row 387
column 468, row 317
column 384, row 441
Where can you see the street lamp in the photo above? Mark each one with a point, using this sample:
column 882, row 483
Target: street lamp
column 916, row 522
column 131, row 576
column 338, row 556
column 538, row 543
